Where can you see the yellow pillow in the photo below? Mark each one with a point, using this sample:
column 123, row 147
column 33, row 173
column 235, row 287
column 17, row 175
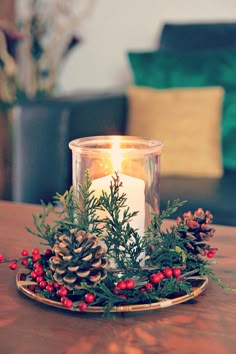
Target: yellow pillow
column 187, row 121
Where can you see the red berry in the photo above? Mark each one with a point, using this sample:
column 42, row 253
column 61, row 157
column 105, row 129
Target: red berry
column 31, row 287
column 213, row 251
column 62, row 292
column 24, row 253
column 36, row 257
column 82, row 306
column 161, row 275
column 13, row 265
column 39, row 271
column 149, row 286
column 143, row 290
column 167, row 272
column 49, row 288
column 210, row 254
column 25, row 262
column 48, row 252
column 1, row 257
column 36, row 265
column 63, row 299
column 129, row 283
column 33, row 275
column 39, row 279
column 155, row 278
column 56, row 285
column 176, row 272
column 89, row 297
column 43, row 284
column 121, row 285
column 68, row 303
column 35, row 251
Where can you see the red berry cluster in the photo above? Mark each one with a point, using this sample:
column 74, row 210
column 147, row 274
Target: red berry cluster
column 156, row 278
column 210, row 253
column 25, row 260
column 126, row 284
column 43, row 278
column 35, row 257
column 88, row 299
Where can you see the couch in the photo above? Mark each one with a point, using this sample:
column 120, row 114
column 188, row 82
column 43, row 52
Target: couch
column 43, row 128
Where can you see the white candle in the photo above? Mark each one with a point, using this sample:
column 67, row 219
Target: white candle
column 134, row 191
column 132, row 187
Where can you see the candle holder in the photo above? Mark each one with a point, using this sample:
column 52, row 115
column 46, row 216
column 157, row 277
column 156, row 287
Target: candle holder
column 137, row 162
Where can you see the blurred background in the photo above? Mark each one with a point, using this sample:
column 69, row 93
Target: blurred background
column 65, row 72
column 109, row 28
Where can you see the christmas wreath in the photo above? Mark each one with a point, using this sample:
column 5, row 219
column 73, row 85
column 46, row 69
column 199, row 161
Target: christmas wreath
column 91, row 261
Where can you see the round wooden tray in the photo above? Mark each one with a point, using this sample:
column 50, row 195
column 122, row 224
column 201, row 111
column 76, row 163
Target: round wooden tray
column 200, row 284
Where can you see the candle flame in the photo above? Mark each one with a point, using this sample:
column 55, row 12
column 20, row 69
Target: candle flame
column 116, row 156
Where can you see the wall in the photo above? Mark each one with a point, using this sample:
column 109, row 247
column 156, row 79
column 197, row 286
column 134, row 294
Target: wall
column 115, row 26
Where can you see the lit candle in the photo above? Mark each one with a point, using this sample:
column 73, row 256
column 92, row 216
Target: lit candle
column 131, row 186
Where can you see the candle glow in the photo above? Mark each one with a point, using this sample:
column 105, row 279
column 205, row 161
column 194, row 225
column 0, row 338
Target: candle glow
column 116, row 156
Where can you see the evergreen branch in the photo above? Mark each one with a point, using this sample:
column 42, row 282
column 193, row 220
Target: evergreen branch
column 210, row 273
column 172, row 207
column 44, row 230
column 154, row 229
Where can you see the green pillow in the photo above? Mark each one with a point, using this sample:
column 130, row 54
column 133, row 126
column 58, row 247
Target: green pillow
column 215, row 67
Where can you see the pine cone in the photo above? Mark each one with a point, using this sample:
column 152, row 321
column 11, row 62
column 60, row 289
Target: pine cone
column 78, row 258
column 197, row 231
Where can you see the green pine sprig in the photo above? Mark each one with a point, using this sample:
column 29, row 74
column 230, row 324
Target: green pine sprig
column 79, row 208
column 44, row 230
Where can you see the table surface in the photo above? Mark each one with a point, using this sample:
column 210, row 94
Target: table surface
column 28, row 327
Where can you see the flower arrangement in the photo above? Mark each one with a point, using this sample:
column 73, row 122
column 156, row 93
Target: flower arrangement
column 50, row 33
column 91, row 261
column 46, row 34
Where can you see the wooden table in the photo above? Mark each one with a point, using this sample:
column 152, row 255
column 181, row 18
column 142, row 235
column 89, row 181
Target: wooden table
column 27, row 327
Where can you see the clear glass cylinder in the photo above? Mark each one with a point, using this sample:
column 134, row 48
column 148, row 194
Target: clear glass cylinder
column 137, row 162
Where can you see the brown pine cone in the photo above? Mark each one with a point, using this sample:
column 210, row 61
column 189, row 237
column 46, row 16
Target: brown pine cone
column 197, row 231
column 78, row 258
